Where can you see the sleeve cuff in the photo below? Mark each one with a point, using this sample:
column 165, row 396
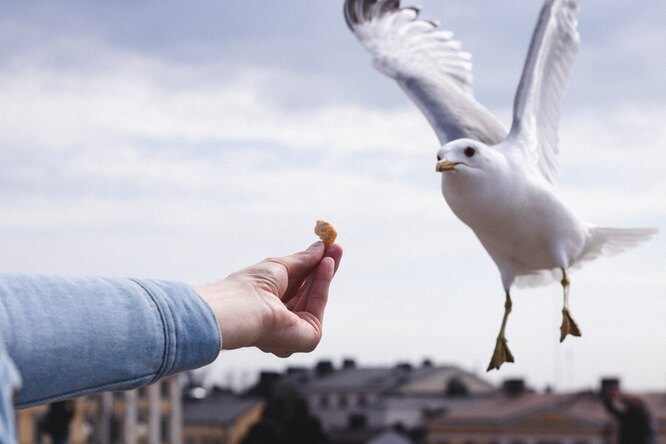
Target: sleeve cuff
column 192, row 337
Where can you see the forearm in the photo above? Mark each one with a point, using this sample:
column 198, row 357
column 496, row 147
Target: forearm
column 70, row 336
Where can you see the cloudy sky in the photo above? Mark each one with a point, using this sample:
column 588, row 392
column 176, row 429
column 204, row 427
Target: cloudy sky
column 184, row 141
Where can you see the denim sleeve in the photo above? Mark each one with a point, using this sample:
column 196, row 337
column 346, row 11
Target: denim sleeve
column 72, row 336
column 10, row 382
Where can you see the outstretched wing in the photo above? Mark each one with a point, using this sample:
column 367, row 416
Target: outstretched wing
column 536, row 108
column 429, row 66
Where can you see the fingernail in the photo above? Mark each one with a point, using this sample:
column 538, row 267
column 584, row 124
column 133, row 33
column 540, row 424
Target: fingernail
column 316, row 244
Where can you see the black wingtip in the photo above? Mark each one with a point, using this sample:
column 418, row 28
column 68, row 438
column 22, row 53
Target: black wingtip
column 359, row 11
column 350, row 15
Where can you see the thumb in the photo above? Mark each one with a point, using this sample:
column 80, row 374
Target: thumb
column 301, row 263
column 298, row 266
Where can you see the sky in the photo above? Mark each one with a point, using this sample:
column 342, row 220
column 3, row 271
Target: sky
column 184, row 141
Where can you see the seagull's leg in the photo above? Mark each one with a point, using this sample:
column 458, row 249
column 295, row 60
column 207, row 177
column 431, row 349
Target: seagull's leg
column 502, row 353
column 569, row 326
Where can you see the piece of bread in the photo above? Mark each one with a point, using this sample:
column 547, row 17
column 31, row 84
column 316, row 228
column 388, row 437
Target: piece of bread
column 326, row 232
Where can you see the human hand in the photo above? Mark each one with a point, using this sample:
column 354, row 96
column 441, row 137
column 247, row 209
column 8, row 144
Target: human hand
column 276, row 305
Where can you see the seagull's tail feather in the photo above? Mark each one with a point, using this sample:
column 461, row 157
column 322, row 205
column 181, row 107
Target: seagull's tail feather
column 601, row 242
column 610, row 241
column 538, row 278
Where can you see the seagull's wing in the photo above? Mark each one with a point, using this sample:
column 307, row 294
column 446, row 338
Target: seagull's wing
column 537, row 104
column 429, row 66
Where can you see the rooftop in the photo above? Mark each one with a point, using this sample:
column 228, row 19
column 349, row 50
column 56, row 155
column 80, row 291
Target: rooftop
column 216, row 409
column 583, row 410
column 401, row 379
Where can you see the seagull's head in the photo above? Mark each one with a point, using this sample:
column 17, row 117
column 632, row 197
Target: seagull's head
column 463, row 156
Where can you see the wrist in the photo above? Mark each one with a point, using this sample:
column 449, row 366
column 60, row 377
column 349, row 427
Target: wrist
column 237, row 319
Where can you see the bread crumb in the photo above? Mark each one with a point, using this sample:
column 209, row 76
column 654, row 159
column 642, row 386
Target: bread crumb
column 326, row 232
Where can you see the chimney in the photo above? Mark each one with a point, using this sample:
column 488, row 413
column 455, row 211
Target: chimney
column 298, row 375
column 514, row 387
column 324, row 368
column 404, row 367
column 610, row 384
column 348, row 363
column 296, row 370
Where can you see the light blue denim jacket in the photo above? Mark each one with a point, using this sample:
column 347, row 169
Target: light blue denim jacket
column 72, row 336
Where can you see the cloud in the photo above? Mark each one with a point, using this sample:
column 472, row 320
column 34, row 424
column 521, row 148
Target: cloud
column 138, row 134
column 610, row 163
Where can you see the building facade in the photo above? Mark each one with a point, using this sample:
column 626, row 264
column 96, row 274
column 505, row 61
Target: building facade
column 219, row 417
column 148, row 415
column 525, row 417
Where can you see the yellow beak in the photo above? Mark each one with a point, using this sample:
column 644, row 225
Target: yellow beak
column 444, row 165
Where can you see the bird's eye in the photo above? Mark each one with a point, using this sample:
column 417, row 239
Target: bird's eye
column 469, row 151
column 439, row 158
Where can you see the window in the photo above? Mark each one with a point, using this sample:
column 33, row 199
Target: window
column 343, row 401
column 324, row 402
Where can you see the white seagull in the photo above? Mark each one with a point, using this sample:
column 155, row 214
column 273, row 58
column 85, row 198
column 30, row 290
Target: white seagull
column 500, row 184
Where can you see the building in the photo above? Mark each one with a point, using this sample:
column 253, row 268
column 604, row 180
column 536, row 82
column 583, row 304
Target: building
column 150, row 415
column 355, row 404
column 349, row 404
column 218, row 417
column 381, row 397
column 154, row 414
column 520, row 416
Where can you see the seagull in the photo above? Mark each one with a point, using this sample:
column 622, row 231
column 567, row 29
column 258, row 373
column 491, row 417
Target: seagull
column 499, row 183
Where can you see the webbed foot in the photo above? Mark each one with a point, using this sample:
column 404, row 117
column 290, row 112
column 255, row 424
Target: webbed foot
column 501, row 354
column 569, row 326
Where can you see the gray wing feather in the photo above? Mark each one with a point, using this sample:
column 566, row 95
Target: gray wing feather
column 547, row 68
column 428, row 65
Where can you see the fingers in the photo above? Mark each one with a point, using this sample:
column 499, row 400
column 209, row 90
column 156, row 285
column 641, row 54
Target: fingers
column 310, row 274
column 298, row 300
column 334, row 251
column 310, row 307
column 299, row 266
column 305, row 331
column 321, row 281
column 303, row 261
